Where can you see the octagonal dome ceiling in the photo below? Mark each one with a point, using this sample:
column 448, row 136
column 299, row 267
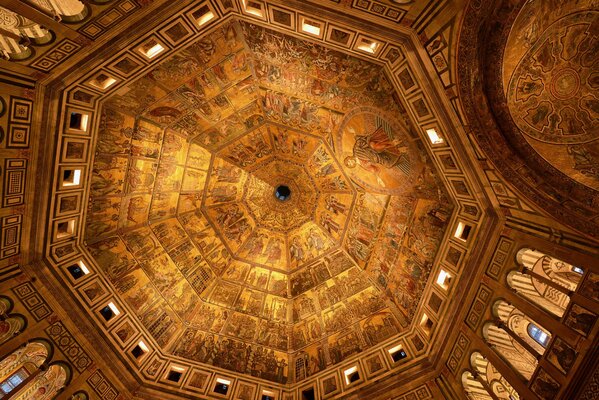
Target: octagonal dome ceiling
column 184, row 222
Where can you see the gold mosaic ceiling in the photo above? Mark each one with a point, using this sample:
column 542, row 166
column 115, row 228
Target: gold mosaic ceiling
column 184, row 222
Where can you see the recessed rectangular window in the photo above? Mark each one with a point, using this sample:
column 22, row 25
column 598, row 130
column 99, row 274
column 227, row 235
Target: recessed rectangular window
column 462, row 231
column 139, row 350
column 368, row 45
column 102, row 81
column 426, row 323
column 71, row 177
column 78, row 270
column 433, row 136
column 78, row 121
column 253, row 8
column 351, row 375
column 308, row 394
column 203, row 15
column 444, row 279
column 312, row 27
column 151, row 48
column 397, row 353
column 64, row 229
column 268, row 395
column 175, row 374
column 222, row 386
column 109, row 312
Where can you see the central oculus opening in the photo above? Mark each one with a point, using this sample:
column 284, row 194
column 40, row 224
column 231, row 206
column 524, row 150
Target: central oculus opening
column 282, row 192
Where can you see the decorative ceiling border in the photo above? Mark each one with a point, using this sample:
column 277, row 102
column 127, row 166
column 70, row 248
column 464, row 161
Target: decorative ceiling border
column 71, row 176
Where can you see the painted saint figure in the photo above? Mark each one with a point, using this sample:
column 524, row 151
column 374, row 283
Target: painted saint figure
column 379, row 149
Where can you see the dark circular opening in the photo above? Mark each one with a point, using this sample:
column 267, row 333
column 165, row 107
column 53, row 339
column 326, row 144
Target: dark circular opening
column 283, row 192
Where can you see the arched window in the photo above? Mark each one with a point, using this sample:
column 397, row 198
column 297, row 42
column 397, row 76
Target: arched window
column 11, row 326
column 18, row 34
column 46, row 384
column 5, row 305
column 65, row 10
column 539, row 335
column 543, row 295
column 558, row 271
column 21, row 377
column 20, row 365
column 473, row 388
column 13, row 381
column 80, row 395
column 491, row 376
column 520, row 324
column 510, row 350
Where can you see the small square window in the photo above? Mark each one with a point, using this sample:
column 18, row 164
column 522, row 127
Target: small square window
column 462, row 231
column 444, row 279
column 151, row 48
column 78, row 121
column 222, row 386
column 71, row 177
column 433, row 136
column 426, row 323
column 351, row 375
column 312, row 27
column 308, row 394
column 139, row 350
column 174, row 375
column 397, row 353
column 65, row 229
column 78, row 270
column 268, row 395
column 109, row 311
column 368, row 45
column 203, row 15
column 253, row 8
column 102, row 81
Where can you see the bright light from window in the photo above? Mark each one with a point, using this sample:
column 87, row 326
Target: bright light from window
column 253, row 8
column 433, row 136
column 462, row 231
column 205, row 17
column 348, row 373
column 539, row 335
column 154, row 50
column 113, row 308
column 443, row 279
column 311, row 27
column 83, row 267
column 102, row 82
column 73, row 179
column 368, row 46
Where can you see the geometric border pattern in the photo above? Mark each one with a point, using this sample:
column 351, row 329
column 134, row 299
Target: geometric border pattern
column 500, row 257
column 33, row 302
column 102, row 386
column 15, row 171
column 67, row 344
column 458, row 352
column 483, row 296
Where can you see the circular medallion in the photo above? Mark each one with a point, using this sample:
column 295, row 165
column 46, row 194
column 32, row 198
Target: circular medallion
column 552, row 94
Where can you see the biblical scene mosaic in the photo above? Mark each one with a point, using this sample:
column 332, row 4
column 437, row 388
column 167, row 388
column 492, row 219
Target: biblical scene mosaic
column 184, row 220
